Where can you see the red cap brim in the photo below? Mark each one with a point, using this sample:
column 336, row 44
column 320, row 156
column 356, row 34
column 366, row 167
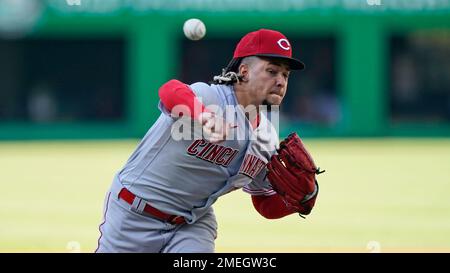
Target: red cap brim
column 294, row 64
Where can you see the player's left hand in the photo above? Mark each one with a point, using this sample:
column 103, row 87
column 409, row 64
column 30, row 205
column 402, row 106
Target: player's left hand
column 292, row 173
column 215, row 128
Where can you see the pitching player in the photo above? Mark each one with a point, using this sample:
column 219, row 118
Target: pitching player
column 161, row 200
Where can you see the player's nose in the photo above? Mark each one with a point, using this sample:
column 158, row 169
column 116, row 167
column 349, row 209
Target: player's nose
column 281, row 81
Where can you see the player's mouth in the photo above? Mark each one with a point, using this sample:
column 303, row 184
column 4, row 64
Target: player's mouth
column 276, row 93
column 275, row 98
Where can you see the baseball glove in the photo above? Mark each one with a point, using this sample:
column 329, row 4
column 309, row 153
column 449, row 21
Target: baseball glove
column 292, row 173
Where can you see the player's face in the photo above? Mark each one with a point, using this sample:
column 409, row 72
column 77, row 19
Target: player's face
column 268, row 80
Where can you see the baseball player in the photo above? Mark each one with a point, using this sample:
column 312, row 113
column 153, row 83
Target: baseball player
column 161, row 200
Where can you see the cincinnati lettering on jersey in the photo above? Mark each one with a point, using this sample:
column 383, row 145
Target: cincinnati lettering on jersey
column 213, row 153
column 251, row 166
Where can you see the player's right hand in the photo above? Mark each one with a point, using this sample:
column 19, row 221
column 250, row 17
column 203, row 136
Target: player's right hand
column 215, row 128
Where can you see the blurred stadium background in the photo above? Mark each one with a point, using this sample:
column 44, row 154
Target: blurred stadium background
column 78, row 88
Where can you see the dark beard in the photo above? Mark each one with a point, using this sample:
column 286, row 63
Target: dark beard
column 268, row 104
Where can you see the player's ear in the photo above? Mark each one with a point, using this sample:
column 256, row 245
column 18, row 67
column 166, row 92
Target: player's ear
column 243, row 71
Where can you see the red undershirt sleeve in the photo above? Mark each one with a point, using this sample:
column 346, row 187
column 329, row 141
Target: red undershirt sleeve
column 174, row 93
column 271, row 207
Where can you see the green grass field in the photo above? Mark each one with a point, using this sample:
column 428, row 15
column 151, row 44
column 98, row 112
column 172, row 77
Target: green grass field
column 395, row 192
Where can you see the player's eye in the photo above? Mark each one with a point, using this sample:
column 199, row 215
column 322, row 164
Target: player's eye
column 271, row 71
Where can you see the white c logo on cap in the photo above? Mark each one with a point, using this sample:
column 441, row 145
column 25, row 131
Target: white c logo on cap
column 284, row 44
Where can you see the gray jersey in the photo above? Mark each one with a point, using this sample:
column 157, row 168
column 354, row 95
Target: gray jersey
column 185, row 177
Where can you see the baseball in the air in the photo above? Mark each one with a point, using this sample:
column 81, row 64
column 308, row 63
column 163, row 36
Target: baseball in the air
column 194, row 29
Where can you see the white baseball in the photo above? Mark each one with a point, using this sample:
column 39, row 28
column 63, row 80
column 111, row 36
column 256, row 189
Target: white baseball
column 194, row 29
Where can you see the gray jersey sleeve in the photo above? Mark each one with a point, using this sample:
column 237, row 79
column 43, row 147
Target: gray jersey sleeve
column 163, row 109
column 264, row 147
column 259, row 186
column 206, row 94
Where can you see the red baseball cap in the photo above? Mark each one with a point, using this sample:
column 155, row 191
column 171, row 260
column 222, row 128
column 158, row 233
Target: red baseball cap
column 268, row 43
